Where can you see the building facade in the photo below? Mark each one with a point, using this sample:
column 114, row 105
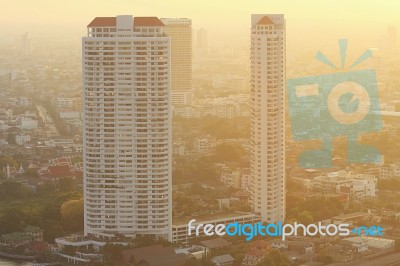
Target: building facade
column 127, row 127
column 268, row 66
column 180, row 31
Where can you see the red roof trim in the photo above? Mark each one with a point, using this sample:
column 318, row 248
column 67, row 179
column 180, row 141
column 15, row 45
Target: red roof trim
column 147, row 21
column 137, row 22
column 103, row 22
column 265, row 21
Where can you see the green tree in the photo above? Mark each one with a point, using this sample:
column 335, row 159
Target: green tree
column 113, row 251
column 31, row 172
column 4, row 160
column 12, row 190
column 305, row 218
column 317, row 208
column 66, row 184
column 12, row 220
column 11, row 139
column 72, row 214
column 51, row 212
column 227, row 152
column 196, row 189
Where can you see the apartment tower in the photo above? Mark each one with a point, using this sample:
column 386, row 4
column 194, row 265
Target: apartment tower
column 127, row 127
column 180, row 31
column 268, row 116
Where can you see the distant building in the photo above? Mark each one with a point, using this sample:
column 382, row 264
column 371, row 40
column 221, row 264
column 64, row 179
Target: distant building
column 230, row 177
column 179, row 148
column 180, row 31
column 27, row 123
column 342, row 254
column 205, row 145
column 215, row 245
column 224, row 110
column 386, row 171
column 355, row 186
column 350, row 218
column 35, row 232
column 30, row 235
column 63, row 102
column 26, row 44
column 56, row 172
column 14, row 239
column 367, row 242
column 202, row 43
column 182, row 98
column 22, row 138
column 223, row 260
column 245, row 180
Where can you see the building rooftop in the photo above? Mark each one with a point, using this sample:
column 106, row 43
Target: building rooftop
column 59, row 171
column 16, row 236
column 137, row 21
column 265, row 21
column 350, row 216
column 226, row 258
column 31, row 228
column 147, row 21
column 372, row 242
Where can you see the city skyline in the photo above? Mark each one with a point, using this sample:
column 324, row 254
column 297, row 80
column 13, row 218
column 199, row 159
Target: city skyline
column 162, row 133
column 355, row 19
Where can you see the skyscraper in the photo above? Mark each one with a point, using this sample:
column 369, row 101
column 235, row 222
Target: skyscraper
column 268, row 116
column 127, row 127
column 26, row 44
column 202, row 43
column 180, row 31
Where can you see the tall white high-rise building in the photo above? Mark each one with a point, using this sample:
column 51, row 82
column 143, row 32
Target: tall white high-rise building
column 180, row 31
column 268, row 116
column 127, row 127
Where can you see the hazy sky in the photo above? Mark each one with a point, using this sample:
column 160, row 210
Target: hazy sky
column 306, row 19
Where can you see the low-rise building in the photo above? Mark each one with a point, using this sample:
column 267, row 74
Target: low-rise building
column 22, row 138
column 355, row 186
column 230, row 177
column 372, row 243
column 35, row 232
column 204, row 146
column 223, row 260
